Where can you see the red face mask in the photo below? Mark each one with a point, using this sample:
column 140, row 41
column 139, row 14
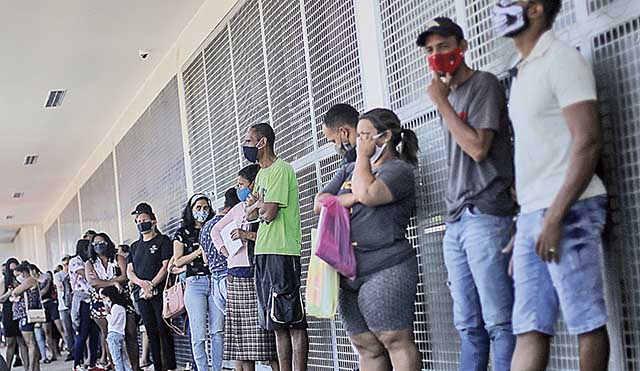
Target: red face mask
column 446, row 62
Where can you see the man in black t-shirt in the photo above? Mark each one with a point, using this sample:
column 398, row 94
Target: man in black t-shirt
column 147, row 269
column 339, row 127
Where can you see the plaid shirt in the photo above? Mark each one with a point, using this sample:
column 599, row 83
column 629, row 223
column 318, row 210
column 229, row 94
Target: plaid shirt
column 217, row 261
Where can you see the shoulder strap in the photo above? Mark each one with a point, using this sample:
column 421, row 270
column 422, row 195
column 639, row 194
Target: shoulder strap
column 179, row 331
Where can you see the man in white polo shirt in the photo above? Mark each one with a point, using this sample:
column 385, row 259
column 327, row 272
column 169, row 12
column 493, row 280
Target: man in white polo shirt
column 558, row 246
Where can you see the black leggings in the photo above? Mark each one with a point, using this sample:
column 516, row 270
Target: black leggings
column 88, row 330
column 159, row 335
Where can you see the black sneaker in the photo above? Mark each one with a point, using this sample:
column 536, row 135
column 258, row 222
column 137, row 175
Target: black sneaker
column 69, row 358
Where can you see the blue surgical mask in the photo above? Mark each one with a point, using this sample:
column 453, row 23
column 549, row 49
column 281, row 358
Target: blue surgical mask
column 201, row 215
column 243, row 193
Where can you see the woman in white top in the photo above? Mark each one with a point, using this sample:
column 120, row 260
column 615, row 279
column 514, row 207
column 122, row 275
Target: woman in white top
column 106, row 268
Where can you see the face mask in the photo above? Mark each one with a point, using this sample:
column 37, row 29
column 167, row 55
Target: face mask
column 250, row 153
column 379, row 149
column 243, row 193
column 201, row 215
column 145, row 227
column 509, row 18
column 20, row 279
column 100, row 248
column 446, row 62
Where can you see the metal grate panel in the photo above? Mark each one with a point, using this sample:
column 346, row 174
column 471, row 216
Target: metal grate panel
column 595, row 5
column 224, row 133
column 402, row 22
column 151, row 164
column 248, row 65
column 98, row 196
column 198, row 126
column 53, row 245
column 617, row 67
column 333, row 56
column 70, row 226
column 291, row 111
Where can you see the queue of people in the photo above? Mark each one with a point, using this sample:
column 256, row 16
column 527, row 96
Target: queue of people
column 517, row 249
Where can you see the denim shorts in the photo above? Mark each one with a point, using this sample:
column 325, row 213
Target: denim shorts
column 574, row 285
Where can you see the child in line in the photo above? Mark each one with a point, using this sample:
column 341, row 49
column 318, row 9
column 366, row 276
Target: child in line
column 117, row 320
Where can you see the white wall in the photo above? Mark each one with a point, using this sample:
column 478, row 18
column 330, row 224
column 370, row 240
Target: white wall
column 7, row 250
column 29, row 245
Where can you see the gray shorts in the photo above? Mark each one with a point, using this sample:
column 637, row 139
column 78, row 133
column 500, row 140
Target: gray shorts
column 381, row 301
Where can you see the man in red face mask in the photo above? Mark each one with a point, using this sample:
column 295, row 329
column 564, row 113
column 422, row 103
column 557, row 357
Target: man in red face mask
column 480, row 208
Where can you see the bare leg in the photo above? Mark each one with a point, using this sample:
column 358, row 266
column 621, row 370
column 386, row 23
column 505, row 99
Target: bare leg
column 532, row 352
column 48, row 335
column 373, row 355
column 34, row 352
column 24, row 352
column 105, row 357
column 283, row 344
column 300, row 341
column 402, row 349
column 245, row 366
column 275, row 366
column 11, row 350
column 594, row 350
column 145, row 349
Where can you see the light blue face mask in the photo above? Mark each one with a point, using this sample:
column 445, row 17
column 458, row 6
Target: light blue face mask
column 201, row 215
column 243, row 193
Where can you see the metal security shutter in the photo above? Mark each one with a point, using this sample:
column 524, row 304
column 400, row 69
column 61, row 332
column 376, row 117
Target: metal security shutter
column 617, row 66
column 69, row 221
column 320, row 346
column 248, row 65
column 333, row 57
column 151, row 164
column 225, row 141
column 406, row 68
column 198, row 126
column 595, row 5
column 287, row 74
column 52, row 243
column 98, row 196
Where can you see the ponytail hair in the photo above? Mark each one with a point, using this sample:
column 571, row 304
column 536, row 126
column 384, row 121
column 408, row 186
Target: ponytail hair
column 404, row 141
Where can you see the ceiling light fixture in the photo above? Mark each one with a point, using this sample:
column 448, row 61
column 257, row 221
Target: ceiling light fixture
column 31, row 160
column 18, row 195
column 54, row 98
column 9, row 217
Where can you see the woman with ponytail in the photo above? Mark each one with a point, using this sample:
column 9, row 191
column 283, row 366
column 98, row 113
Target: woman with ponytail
column 377, row 308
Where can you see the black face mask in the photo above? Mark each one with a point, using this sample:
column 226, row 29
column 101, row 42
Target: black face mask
column 84, row 254
column 100, row 248
column 250, row 153
column 144, row 227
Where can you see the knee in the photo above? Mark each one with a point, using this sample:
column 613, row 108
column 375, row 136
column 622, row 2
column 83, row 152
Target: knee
column 369, row 348
column 394, row 340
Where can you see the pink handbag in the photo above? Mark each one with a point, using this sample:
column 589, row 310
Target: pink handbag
column 173, row 303
column 334, row 238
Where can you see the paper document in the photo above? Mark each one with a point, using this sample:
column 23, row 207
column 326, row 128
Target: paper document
column 233, row 246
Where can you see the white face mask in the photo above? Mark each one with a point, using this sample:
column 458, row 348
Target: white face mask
column 20, row 279
column 379, row 149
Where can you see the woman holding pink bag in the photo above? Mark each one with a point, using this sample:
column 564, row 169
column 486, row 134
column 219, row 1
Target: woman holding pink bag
column 377, row 308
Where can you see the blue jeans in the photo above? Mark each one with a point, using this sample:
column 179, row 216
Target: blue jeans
column 574, row 285
column 204, row 306
column 118, row 352
column 219, row 292
column 481, row 288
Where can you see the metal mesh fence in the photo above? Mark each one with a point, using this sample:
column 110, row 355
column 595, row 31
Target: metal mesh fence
column 287, row 62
